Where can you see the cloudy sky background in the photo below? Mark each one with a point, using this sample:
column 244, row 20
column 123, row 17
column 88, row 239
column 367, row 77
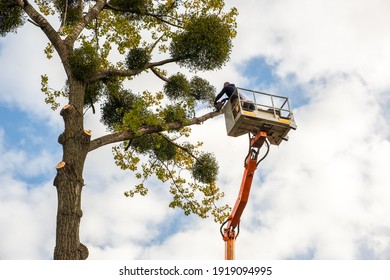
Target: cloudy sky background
column 324, row 194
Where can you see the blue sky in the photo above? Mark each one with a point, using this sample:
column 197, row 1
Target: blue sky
column 24, row 133
column 322, row 195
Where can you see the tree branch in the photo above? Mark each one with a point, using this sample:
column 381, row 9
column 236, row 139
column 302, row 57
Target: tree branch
column 156, row 16
column 179, row 146
column 129, row 72
column 49, row 31
column 114, row 73
column 84, row 21
column 33, row 22
column 80, row 4
column 159, row 75
column 129, row 135
column 65, row 13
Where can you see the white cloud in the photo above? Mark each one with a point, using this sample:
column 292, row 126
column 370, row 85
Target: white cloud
column 27, row 215
column 113, row 223
column 314, row 39
column 27, row 220
column 198, row 240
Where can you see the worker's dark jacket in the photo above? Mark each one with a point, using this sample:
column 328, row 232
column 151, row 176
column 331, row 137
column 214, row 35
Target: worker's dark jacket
column 229, row 90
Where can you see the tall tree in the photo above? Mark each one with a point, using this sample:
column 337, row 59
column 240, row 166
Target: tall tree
column 147, row 128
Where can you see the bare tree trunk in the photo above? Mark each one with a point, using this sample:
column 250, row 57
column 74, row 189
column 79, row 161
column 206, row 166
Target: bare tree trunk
column 69, row 180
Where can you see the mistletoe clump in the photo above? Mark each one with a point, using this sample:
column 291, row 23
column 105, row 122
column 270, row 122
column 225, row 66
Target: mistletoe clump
column 202, row 90
column 199, row 46
column 115, row 107
column 132, row 6
column 11, row 17
column 177, row 87
column 85, row 62
column 174, row 113
column 156, row 146
column 93, row 93
column 137, row 58
column 205, row 168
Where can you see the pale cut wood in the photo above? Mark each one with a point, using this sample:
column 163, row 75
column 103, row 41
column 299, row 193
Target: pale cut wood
column 60, row 165
column 88, row 132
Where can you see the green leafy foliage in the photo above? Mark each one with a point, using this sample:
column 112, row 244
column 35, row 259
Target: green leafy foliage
column 170, row 162
column 118, row 30
column 205, row 43
column 205, row 169
column 11, row 17
column 141, row 114
column 51, row 95
column 49, row 50
column 85, row 62
column 137, row 58
column 46, row 7
column 186, row 198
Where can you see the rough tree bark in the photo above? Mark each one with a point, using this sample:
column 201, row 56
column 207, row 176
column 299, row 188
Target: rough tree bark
column 69, row 179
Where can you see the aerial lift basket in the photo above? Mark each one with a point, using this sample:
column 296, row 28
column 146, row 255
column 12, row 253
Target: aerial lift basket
column 259, row 112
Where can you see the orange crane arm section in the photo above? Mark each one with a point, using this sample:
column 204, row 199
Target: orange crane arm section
column 243, row 196
column 246, row 183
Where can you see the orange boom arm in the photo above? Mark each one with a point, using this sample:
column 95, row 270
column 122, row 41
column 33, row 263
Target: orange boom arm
column 229, row 235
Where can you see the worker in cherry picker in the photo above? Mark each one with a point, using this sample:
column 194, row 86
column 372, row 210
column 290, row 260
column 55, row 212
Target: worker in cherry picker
column 232, row 93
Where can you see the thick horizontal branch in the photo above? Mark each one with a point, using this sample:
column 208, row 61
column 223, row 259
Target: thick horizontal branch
column 129, row 135
column 114, row 73
column 129, row 72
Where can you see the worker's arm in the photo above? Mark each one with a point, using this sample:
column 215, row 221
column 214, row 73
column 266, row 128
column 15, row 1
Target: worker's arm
column 220, row 95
